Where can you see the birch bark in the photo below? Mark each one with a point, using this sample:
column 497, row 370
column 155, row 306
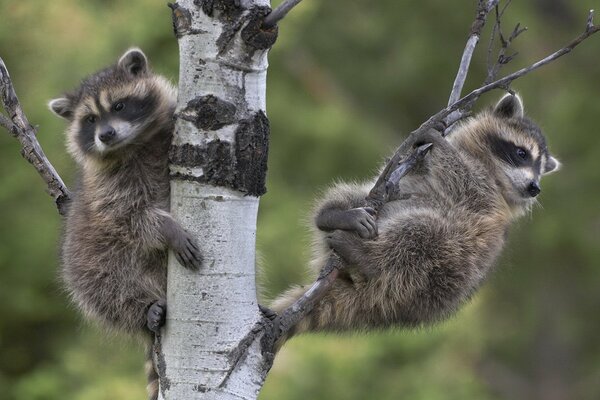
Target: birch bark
column 210, row 347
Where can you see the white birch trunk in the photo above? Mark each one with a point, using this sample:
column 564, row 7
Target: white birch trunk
column 210, row 348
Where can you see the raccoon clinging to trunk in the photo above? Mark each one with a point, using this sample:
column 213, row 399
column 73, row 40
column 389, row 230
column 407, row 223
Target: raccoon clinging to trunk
column 434, row 243
column 118, row 227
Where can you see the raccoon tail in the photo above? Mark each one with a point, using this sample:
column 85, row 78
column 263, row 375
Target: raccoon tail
column 151, row 373
column 341, row 309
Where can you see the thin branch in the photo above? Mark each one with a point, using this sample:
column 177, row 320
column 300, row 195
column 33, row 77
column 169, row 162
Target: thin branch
column 502, row 59
column 483, row 9
column 466, row 103
column 18, row 125
column 278, row 13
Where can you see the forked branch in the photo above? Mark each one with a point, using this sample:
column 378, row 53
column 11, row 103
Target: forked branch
column 19, row 127
column 466, row 102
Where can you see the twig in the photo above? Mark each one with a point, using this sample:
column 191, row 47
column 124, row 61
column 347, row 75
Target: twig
column 483, row 9
column 18, row 125
column 278, row 13
column 467, row 101
column 502, row 59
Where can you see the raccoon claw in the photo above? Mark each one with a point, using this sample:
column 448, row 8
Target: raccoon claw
column 345, row 244
column 187, row 253
column 362, row 221
column 155, row 318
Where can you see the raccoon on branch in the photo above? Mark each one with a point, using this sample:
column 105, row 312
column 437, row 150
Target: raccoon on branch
column 118, row 227
column 432, row 245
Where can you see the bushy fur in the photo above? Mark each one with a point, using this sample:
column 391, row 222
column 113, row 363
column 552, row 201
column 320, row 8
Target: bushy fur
column 118, row 228
column 434, row 243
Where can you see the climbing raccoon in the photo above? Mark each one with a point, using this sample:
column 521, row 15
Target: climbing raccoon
column 118, row 227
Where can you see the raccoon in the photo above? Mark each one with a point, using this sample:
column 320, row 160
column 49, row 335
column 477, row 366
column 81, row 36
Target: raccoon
column 118, row 228
column 434, row 243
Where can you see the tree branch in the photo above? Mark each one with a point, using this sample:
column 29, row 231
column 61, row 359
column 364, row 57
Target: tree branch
column 502, row 59
column 19, row 127
column 278, row 13
column 483, row 9
column 466, row 103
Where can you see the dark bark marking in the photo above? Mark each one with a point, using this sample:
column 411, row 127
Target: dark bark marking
column 215, row 158
column 243, row 168
column 226, row 9
column 209, row 112
column 252, row 148
column 254, row 35
column 161, row 365
column 201, row 388
column 182, row 21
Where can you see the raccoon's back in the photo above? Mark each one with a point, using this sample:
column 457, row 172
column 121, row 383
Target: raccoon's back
column 105, row 266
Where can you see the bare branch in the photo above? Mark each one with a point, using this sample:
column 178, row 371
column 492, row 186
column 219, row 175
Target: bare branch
column 483, row 10
column 502, row 59
column 278, row 13
column 18, row 126
column 466, row 103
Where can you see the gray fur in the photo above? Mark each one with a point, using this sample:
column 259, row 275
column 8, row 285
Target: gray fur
column 435, row 241
column 118, row 228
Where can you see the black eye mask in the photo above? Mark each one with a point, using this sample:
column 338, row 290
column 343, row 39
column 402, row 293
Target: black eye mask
column 508, row 152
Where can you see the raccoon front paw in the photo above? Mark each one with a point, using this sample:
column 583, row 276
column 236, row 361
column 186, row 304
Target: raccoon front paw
column 432, row 135
column 155, row 318
column 346, row 244
column 362, row 221
column 186, row 251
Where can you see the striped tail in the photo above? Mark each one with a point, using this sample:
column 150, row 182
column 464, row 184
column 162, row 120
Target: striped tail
column 151, row 373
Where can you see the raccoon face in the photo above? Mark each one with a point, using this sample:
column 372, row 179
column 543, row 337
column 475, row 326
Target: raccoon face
column 520, row 152
column 109, row 123
column 119, row 106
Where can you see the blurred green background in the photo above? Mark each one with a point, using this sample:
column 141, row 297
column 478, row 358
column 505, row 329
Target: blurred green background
column 346, row 81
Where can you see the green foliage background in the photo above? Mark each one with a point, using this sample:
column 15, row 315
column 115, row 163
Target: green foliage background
column 347, row 79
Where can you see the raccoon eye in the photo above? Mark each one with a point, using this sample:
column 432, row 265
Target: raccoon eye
column 118, row 106
column 521, row 153
column 91, row 119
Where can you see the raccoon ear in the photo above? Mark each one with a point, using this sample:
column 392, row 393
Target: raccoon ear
column 134, row 61
column 552, row 165
column 61, row 107
column 510, row 106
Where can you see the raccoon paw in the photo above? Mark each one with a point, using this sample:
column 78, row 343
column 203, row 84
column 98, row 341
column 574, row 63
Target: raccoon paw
column 362, row 221
column 430, row 136
column 346, row 244
column 187, row 252
column 155, row 318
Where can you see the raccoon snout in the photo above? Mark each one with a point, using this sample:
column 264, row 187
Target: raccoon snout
column 533, row 189
column 107, row 135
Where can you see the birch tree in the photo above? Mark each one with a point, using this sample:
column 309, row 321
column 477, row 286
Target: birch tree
column 216, row 343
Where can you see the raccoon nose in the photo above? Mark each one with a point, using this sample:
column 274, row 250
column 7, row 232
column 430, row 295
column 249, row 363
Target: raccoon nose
column 107, row 135
column 533, row 189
